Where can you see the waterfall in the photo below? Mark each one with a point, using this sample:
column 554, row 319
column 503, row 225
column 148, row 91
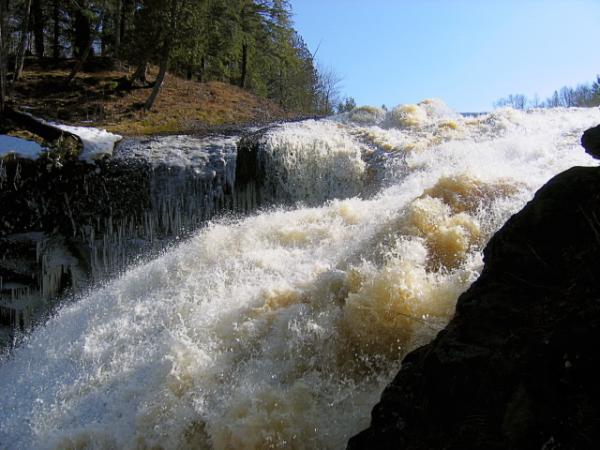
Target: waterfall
column 279, row 329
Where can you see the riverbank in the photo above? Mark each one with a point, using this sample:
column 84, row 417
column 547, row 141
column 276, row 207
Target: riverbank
column 101, row 97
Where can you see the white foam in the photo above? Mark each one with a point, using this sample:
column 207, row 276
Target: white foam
column 281, row 329
column 311, row 161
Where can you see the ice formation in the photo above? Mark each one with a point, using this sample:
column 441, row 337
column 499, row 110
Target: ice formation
column 19, row 147
column 97, row 143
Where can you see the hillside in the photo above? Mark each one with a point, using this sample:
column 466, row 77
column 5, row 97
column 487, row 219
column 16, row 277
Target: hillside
column 101, row 97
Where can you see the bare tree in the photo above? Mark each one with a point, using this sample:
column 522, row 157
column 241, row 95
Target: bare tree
column 328, row 90
column 535, row 101
column 516, row 101
column 553, row 101
column 583, row 95
column 519, row 101
column 567, row 97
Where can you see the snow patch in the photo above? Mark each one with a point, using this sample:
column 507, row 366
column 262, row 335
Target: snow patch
column 20, row 147
column 97, row 142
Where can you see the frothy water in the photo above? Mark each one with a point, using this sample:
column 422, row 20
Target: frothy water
column 313, row 161
column 281, row 329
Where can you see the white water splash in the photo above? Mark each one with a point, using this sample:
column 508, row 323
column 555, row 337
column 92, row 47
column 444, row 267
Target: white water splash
column 312, row 161
column 280, row 330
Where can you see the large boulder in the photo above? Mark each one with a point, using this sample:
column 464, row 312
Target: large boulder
column 518, row 366
column 591, row 141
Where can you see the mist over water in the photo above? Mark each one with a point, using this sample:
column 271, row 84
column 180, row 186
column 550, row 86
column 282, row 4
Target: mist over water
column 279, row 330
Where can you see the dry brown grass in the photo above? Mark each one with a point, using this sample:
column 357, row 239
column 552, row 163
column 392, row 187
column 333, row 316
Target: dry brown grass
column 99, row 99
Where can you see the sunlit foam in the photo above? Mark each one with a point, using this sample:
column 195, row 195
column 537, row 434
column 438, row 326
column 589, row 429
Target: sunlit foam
column 281, row 329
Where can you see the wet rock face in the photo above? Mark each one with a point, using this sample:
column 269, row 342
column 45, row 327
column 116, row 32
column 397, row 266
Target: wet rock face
column 518, row 366
column 42, row 195
column 61, row 225
column 250, row 171
column 591, row 141
column 64, row 225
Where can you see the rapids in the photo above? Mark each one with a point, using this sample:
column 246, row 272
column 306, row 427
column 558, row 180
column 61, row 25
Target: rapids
column 280, row 329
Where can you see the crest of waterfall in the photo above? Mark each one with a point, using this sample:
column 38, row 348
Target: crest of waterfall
column 312, row 161
column 280, row 329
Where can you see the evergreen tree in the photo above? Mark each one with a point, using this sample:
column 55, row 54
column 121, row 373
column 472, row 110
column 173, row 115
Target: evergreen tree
column 250, row 43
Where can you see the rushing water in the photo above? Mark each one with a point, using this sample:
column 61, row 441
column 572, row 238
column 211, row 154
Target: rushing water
column 280, row 330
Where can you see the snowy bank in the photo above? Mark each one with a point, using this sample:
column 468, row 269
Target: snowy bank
column 96, row 142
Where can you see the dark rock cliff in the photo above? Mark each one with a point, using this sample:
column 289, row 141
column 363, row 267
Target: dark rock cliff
column 65, row 223
column 59, row 223
column 518, row 366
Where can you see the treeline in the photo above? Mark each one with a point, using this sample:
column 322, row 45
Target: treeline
column 249, row 43
column 583, row 95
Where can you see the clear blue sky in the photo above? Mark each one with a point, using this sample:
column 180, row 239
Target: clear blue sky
column 467, row 52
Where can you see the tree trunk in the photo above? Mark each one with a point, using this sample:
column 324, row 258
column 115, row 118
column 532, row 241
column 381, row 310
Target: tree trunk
column 38, row 27
column 56, row 36
column 164, row 62
column 201, row 76
column 83, row 32
column 244, row 65
column 20, row 57
column 281, row 84
column 159, row 81
column 127, row 12
column 37, row 126
column 79, row 64
column 87, row 50
column 140, row 73
column 104, row 37
column 2, row 59
column 117, row 43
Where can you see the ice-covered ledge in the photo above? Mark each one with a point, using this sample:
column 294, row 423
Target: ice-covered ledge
column 97, row 142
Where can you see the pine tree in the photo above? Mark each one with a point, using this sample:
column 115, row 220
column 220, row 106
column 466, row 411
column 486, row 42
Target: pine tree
column 250, row 43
